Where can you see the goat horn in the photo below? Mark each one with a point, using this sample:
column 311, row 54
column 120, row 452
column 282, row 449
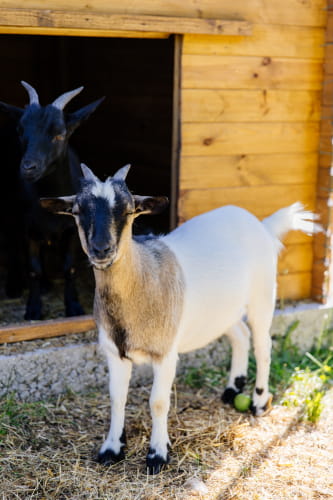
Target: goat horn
column 88, row 174
column 64, row 99
column 34, row 99
column 121, row 174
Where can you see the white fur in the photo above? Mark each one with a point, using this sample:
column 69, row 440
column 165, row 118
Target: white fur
column 103, row 190
column 228, row 260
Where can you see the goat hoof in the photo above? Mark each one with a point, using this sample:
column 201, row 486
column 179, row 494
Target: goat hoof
column 109, row 457
column 259, row 411
column 155, row 463
column 229, row 395
column 74, row 309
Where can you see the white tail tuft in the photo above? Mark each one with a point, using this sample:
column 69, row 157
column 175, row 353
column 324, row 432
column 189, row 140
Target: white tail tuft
column 291, row 218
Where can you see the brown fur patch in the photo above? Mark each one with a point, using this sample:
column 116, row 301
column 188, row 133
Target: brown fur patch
column 139, row 299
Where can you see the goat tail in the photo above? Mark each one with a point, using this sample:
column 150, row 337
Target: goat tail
column 294, row 217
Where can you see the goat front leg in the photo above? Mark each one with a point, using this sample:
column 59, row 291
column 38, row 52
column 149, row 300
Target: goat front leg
column 71, row 300
column 164, row 374
column 112, row 450
column 34, row 303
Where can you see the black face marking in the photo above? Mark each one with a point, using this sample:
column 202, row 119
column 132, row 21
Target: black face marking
column 259, row 391
column 102, row 223
column 240, row 382
column 100, row 238
column 95, row 219
column 122, row 206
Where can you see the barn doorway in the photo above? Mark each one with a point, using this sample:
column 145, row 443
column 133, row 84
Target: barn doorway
column 135, row 123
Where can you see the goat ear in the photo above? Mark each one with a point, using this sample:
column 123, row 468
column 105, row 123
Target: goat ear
column 62, row 205
column 150, row 204
column 13, row 111
column 73, row 120
column 121, row 174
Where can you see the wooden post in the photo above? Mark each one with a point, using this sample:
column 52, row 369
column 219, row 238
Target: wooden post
column 322, row 274
column 176, row 118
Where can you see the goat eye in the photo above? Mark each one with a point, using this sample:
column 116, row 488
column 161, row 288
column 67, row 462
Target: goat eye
column 58, row 137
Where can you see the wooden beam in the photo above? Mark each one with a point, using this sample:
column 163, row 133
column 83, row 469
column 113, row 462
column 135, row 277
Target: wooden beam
column 287, row 12
column 77, row 19
column 28, row 30
column 46, row 329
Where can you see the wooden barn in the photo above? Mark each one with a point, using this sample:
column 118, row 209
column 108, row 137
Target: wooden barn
column 212, row 101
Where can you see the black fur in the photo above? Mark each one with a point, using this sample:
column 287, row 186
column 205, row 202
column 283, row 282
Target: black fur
column 253, row 408
column 155, row 463
column 259, row 391
column 41, row 164
column 240, row 382
column 118, row 332
column 108, row 457
column 229, row 395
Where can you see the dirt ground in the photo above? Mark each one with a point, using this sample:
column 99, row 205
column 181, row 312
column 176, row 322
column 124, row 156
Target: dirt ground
column 47, row 450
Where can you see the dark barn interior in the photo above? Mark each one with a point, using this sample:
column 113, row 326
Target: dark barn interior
column 133, row 124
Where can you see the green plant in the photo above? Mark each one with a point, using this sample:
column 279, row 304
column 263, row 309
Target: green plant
column 314, row 406
column 204, row 376
column 14, row 413
column 296, row 379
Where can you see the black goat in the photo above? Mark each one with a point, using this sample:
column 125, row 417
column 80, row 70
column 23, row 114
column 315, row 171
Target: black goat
column 40, row 164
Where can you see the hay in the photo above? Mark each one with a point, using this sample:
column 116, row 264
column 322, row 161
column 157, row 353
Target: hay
column 48, row 450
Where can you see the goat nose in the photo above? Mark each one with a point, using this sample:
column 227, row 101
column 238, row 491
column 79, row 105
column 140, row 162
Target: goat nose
column 29, row 166
column 101, row 250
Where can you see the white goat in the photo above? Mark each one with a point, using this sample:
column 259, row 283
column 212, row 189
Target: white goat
column 156, row 297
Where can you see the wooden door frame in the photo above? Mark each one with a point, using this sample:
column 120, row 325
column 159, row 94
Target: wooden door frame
column 97, row 24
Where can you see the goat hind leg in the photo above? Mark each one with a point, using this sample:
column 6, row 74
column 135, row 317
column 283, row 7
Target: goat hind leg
column 239, row 337
column 260, row 319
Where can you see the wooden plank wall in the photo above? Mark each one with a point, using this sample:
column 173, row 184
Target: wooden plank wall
column 250, row 122
column 250, row 109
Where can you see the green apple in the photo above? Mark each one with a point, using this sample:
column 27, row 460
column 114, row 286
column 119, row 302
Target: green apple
column 242, row 402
